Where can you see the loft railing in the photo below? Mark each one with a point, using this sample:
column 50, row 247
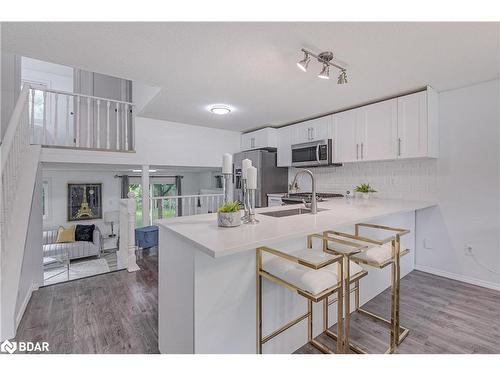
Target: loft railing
column 13, row 149
column 69, row 120
column 185, row 205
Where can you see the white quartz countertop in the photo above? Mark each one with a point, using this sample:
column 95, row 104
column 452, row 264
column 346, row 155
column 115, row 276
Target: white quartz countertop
column 202, row 230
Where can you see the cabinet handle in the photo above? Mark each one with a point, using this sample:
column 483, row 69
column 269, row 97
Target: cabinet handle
column 308, row 134
column 252, row 142
column 362, row 153
column 312, row 134
column 399, row 146
column 357, row 151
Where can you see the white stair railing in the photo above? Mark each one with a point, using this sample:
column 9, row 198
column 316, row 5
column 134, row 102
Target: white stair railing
column 13, row 150
column 185, row 205
column 69, row 120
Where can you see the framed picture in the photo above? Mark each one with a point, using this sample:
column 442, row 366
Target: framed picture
column 84, row 202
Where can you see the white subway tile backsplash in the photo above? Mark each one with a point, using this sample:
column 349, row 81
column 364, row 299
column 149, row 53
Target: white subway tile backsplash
column 401, row 179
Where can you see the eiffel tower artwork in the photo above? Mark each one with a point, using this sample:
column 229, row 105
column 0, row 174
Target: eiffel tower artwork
column 84, row 201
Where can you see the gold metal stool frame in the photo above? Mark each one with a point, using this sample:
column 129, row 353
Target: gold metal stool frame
column 337, row 288
column 398, row 333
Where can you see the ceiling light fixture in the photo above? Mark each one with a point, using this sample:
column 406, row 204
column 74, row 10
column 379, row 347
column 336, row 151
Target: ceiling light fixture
column 326, row 59
column 140, row 170
column 302, row 64
column 220, row 109
column 342, row 77
column 325, row 72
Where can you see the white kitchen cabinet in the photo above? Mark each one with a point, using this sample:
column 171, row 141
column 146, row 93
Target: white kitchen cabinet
column 417, row 131
column 312, row 130
column 345, row 140
column 261, row 138
column 377, row 130
column 284, row 157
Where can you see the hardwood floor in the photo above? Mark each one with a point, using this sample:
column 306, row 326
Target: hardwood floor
column 443, row 315
column 111, row 313
column 117, row 313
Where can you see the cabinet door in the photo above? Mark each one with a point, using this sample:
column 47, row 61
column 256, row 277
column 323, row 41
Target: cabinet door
column 301, row 132
column 284, row 157
column 346, row 148
column 320, row 128
column 377, row 130
column 246, row 141
column 412, row 125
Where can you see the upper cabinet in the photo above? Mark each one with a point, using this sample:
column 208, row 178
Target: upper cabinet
column 311, row 130
column 284, row 157
column 261, row 138
column 399, row 128
column 417, row 134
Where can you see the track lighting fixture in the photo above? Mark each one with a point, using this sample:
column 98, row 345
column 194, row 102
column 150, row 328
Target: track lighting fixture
column 302, row 64
column 324, row 58
column 342, row 77
column 325, row 72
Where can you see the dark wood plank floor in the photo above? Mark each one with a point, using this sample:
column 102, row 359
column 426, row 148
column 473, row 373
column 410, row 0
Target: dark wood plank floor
column 111, row 313
column 443, row 315
column 117, row 313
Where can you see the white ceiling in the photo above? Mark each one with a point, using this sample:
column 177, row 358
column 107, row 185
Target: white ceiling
column 251, row 66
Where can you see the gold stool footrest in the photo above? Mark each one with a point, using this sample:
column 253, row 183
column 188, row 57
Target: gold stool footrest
column 403, row 331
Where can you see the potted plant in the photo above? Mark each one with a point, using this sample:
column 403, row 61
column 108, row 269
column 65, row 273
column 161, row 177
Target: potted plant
column 229, row 215
column 365, row 190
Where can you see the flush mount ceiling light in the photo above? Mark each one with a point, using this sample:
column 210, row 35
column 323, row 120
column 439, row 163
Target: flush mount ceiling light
column 324, row 58
column 140, row 170
column 219, row 109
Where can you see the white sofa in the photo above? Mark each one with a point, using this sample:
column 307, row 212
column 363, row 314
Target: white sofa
column 78, row 249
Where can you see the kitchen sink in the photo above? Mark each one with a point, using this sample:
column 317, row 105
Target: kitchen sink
column 290, row 212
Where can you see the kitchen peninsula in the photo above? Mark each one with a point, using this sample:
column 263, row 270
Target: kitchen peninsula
column 207, row 274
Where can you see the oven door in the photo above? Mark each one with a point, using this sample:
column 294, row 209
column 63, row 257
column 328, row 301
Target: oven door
column 311, row 154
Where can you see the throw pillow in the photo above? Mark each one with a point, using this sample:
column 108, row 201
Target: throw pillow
column 85, row 233
column 66, row 235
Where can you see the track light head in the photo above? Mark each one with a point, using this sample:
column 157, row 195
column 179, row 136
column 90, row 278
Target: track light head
column 342, row 77
column 302, row 64
column 325, row 72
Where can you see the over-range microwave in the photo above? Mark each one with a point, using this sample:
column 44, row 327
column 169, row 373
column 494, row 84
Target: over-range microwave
column 313, row 154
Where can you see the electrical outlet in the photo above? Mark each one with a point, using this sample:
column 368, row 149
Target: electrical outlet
column 468, row 250
column 427, row 243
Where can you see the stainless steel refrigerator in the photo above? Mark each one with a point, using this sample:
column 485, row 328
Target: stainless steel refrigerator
column 270, row 178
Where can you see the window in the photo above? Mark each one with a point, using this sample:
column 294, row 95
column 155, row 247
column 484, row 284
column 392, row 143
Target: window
column 159, row 208
column 45, row 199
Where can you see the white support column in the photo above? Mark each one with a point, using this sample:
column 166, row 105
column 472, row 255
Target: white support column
column 145, row 196
column 126, row 257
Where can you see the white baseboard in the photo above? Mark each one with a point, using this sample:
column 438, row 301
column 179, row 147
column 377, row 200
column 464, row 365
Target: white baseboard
column 458, row 277
column 26, row 300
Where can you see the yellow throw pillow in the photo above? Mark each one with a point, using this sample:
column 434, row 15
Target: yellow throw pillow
column 66, row 235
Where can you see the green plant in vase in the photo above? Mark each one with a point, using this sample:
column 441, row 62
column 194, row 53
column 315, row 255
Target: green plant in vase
column 229, row 214
column 365, row 190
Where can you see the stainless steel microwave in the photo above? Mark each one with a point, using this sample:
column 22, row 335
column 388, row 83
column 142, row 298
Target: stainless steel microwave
column 313, row 154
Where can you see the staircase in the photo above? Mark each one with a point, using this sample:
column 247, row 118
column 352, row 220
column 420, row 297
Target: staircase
column 19, row 166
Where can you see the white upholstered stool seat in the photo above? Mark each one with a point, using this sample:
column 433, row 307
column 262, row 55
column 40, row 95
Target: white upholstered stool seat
column 374, row 255
column 311, row 280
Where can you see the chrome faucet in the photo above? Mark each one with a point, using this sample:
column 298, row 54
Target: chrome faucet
column 314, row 203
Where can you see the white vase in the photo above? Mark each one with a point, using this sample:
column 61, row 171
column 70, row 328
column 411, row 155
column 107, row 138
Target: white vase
column 229, row 219
column 364, row 195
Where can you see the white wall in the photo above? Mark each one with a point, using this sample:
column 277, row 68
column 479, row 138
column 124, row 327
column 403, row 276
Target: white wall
column 11, row 82
column 170, row 143
column 58, row 195
column 464, row 181
column 468, row 173
column 161, row 143
column 31, row 272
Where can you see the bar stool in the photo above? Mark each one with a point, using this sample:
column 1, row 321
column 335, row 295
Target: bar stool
column 379, row 254
column 311, row 273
